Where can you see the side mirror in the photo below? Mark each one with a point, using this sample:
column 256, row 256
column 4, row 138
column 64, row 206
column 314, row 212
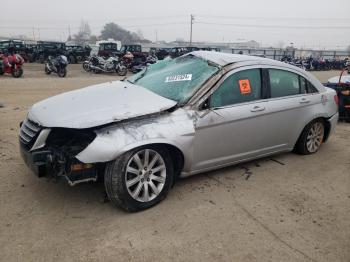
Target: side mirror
column 205, row 105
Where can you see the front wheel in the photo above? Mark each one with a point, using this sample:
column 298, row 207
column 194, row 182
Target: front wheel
column 140, row 178
column 17, row 72
column 122, row 71
column 62, row 72
column 311, row 138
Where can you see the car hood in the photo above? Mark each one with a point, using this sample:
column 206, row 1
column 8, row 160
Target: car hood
column 98, row 105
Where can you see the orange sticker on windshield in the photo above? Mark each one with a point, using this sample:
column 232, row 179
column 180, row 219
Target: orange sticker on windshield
column 244, row 86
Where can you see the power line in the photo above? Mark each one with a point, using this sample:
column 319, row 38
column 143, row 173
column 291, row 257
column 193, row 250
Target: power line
column 275, row 26
column 275, row 18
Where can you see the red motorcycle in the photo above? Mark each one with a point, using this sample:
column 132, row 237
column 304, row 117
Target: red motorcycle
column 11, row 64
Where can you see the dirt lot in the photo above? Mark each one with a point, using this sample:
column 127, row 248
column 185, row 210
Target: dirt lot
column 287, row 208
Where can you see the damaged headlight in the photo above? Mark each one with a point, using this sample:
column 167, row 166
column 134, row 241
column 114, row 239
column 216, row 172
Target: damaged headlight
column 71, row 141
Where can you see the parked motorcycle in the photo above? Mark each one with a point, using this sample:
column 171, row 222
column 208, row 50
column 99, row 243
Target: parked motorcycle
column 57, row 65
column 98, row 64
column 11, row 64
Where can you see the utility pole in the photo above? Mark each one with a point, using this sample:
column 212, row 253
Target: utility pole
column 33, row 34
column 69, row 35
column 192, row 19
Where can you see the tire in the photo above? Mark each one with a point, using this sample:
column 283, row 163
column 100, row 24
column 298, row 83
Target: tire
column 86, row 66
column 41, row 59
column 311, row 138
column 142, row 183
column 17, row 73
column 122, row 71
column 62, row 72
column 47, row 71
column 72, row 60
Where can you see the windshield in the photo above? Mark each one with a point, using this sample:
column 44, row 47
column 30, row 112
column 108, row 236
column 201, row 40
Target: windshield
column 176, row 79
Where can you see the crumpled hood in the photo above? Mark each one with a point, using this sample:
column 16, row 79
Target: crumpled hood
column 98, row 105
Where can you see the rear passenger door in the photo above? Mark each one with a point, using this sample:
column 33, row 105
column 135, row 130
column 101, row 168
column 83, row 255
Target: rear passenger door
column 291, row 98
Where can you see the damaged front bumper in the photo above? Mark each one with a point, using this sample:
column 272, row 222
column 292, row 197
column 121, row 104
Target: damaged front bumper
column 48, row 163
column 47, row 160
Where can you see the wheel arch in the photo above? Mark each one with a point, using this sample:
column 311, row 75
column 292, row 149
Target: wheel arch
column 327, row 130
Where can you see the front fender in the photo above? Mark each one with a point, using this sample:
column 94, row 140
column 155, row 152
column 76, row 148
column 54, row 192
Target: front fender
column 176, row 129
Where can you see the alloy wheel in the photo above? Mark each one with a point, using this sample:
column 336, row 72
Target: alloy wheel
column 315, row 137
column 145, row 175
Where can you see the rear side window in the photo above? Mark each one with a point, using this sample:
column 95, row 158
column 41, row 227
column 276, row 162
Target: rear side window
column 240, row 87
column 306, row 87
column 283, row 83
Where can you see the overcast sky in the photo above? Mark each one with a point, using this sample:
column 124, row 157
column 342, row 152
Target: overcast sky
column 306, row 23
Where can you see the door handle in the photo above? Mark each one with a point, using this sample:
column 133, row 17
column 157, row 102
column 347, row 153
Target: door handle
column 304, row 101
column 257, row 109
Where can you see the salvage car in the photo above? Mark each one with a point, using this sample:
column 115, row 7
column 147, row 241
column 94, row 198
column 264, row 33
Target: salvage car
column 180, row 117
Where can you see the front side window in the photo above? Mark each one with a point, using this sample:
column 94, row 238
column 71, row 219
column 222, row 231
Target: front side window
column 240, row 87
column 283, row 83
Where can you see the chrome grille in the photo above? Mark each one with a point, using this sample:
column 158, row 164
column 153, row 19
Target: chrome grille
column 28, row 131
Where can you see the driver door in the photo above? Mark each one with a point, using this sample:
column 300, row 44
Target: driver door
column 233, row 128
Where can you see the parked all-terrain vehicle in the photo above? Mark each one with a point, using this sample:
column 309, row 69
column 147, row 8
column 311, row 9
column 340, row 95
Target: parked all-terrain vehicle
column 31, row 52
column 179, row 51
column 11, row 64
column 45, row 49
column 160, row 53
column 77, row 53
column 136, row 51
column 57, row 65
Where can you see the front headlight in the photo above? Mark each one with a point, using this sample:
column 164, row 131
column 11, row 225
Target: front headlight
column 72, row 141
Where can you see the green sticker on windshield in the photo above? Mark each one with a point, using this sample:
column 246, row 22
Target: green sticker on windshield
column 177, row 78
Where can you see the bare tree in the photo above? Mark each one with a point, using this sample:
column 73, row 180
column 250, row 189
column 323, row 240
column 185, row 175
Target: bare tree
column 84, row 34
column 139, row 34
column 280, row 44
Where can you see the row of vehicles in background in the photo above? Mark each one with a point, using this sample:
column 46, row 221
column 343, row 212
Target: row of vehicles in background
column 40, row 51
column 316, row 64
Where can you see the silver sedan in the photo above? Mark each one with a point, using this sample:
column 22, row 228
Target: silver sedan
column 180, row 117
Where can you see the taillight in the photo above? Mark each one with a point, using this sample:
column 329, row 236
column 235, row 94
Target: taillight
column 336, row 99
column 345, row 92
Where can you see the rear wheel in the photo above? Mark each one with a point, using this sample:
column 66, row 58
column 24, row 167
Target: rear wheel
column 312, row 137
column 140, row 178
column 62, row 72
column 17, row 72
column 122, row 71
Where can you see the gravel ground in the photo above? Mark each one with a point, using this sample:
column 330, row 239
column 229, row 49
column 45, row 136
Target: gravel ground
column 285, row 208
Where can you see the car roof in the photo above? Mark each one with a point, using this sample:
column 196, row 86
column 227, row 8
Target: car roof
column 223, row 59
